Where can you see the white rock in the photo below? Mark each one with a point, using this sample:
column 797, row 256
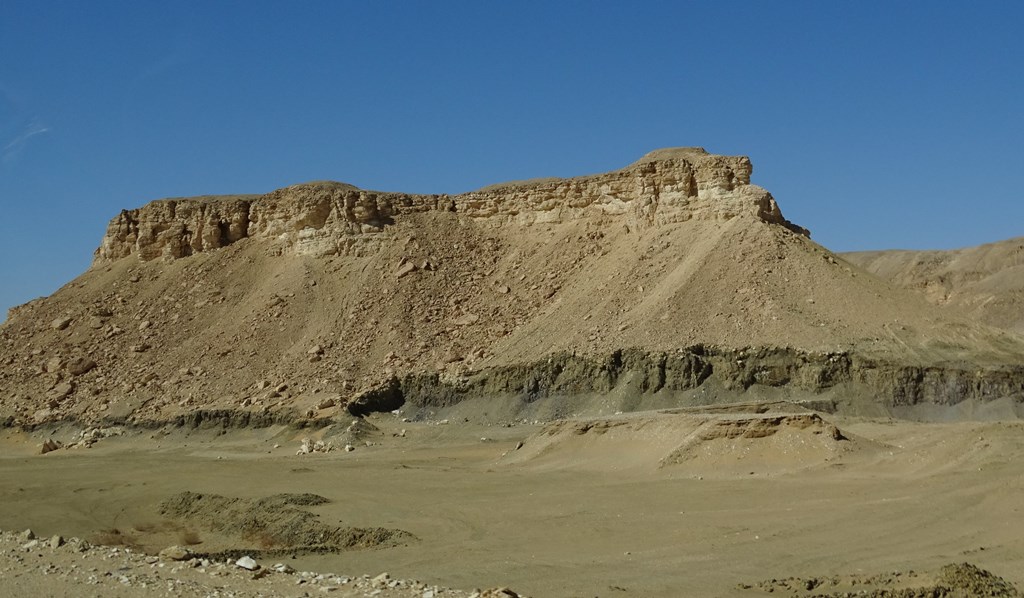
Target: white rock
column 247, row 563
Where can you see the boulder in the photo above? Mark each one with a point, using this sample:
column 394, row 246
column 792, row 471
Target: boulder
column 247, row 563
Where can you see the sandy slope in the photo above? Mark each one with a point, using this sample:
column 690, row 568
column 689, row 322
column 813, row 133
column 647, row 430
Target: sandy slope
column 985, row 282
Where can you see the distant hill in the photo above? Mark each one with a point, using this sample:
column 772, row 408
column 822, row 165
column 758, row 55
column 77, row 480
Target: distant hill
column 984, row 282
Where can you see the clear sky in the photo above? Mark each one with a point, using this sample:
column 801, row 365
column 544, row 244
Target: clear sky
column 875, row 124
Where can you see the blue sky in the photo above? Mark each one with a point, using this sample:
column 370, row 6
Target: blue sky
column 874, row 124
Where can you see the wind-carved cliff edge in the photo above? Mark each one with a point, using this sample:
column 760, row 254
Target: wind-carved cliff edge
column 330, row 218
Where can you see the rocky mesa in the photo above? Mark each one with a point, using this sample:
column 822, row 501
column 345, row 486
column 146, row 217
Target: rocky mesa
column 673, row 281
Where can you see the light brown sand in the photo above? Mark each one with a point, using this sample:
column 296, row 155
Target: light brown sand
column 899, row 496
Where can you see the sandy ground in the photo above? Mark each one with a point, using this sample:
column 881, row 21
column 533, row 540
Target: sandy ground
column 600, row 512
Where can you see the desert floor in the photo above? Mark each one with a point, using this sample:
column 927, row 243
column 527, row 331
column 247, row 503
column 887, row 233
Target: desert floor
column 571, row 513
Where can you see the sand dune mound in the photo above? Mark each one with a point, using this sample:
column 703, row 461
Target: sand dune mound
column 689, row 443
column 775, row 442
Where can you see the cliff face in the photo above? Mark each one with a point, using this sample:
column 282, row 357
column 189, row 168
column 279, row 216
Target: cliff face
column 320, row 219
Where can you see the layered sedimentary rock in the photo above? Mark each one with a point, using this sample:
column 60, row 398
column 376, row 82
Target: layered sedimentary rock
column 330, row 218
column 549, row 297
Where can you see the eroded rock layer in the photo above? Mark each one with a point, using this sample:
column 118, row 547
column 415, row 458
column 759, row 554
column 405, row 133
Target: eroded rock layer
column 329, row 218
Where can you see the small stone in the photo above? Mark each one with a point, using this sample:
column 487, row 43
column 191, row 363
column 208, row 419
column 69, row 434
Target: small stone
column 466, row 319
column 404, row 269
column 61, row 391
column 80, row 366
column 283, row 568
column 60, row 323
column 27, row 535
column 176, row 553
column 49, row 445
column 247, row 563
column 56, row 541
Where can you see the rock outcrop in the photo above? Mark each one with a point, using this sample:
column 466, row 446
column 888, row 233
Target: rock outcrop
column 330, row 218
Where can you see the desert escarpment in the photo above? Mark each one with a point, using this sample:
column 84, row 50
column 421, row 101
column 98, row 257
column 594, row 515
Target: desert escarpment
column 321, row 219
column 300, row 301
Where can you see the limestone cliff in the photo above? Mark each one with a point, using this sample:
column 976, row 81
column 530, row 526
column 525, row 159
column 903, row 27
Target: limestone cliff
column 329, row 218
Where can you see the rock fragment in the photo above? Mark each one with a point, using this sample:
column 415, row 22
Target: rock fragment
column 80, row 365
column 60, row 323
column 60, row 392
column 176, row 553
column 49, row 445
column 405, row 269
